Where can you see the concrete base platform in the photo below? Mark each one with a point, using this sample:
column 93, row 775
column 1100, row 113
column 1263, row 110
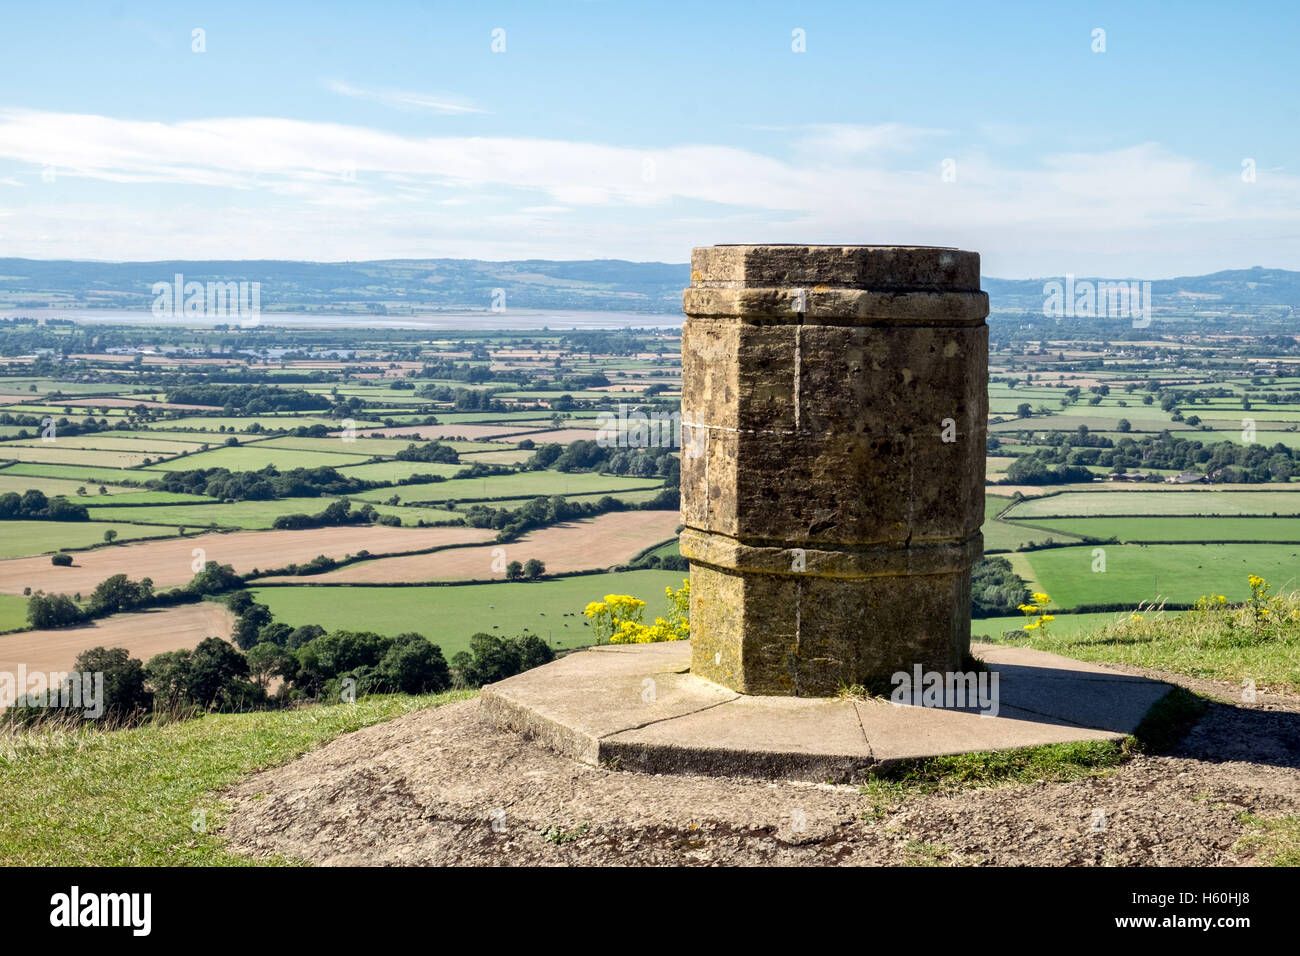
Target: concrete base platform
column 637, row 707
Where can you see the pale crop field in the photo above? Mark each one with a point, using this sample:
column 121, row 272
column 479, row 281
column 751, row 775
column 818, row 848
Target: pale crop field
column 591, row 543
column 1160, row 503
column 171, row 562
column 142, row 633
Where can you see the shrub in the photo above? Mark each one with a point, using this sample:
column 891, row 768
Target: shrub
column 53, row 610
column 61, row 560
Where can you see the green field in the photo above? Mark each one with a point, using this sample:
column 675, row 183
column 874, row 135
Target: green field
column 1007, row 535
column 131, row 498
column 13, row 612
column 529, row 484
column 21, row 538
column 1157, row 503
column 53, row 487
column 82, row 474
column 238, row 514
column 448, row 616
column 992, row 628
column 256, row 456
column 267, row 422
column 1179, row 573
column 1175, row 529
column 397, row 471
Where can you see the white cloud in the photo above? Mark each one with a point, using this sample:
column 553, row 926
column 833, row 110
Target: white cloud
column 333, row 191
column 405, row 99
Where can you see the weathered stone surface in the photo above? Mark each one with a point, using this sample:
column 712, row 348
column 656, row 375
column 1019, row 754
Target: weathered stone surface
column 594, row 706
column 834, row 415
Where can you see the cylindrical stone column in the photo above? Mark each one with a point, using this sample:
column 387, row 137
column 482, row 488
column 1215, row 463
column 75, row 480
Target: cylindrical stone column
column 834, row 418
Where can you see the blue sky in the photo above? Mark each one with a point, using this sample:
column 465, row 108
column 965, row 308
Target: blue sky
column 637, row 130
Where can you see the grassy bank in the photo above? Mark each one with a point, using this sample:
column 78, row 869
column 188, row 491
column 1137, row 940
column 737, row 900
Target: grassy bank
column 130, row 798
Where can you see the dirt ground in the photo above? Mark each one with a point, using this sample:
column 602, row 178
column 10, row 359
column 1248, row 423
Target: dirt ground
column 446, row 787
column 143, row 634
column 598, row 542
column 170, row 561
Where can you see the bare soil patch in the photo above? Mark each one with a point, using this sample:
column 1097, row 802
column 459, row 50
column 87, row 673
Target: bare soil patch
column 425, row 790
column 170, row 561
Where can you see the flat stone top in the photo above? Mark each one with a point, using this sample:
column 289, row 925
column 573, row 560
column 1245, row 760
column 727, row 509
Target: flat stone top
column 638, row 706
column 874, row 268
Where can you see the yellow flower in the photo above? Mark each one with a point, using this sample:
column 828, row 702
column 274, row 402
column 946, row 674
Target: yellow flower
column 1045, row 618
column 1028, row 608
column 1031, row 627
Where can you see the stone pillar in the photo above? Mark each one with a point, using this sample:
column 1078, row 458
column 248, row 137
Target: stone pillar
column 834, row 417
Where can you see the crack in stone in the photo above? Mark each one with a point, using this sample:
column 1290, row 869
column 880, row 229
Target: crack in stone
column 660, row 720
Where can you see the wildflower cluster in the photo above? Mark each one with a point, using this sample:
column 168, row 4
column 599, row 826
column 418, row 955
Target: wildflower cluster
column 1036, row 617
column 617, row 619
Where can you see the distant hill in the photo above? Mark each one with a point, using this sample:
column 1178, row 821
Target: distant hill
column 1243, row 287
column 397, row 286
column 382, row 286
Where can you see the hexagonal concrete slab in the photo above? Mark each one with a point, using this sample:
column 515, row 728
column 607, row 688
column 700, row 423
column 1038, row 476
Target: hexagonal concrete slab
column 638, row 707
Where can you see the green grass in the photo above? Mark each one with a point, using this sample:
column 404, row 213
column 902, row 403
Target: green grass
column 448, row 616
column 129, row 797
column 992, row 628
column 518, row 485
column 52, row 487
column 1195, row 644
column 22, row 538
column 1007, row 535
column 1176, row 573
column 13, row 612
column 397, row 471
column 1275, row 841
column 1173, row 529
column 252, row 515
column 140, row 498
column 268, row 422
column 1200, row 502
column 90, row 476
column 256, row 456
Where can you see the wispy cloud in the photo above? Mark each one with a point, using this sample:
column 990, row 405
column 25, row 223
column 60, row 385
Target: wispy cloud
column 327, row 190
column 406, row 99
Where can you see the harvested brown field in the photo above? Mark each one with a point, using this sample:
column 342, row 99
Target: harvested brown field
column 170, row 562
column 560, row 436
column 583, row 545
column 142, row 633
column 430, row 432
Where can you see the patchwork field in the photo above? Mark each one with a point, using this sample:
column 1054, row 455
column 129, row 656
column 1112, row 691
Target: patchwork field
column 591, row 543
column 1179, row 573
column 18, row 538
column 257, row 455
column 450, row 614
column 143, row 634
column 171, row 562
column 1198, row 528
column 1143, row 503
